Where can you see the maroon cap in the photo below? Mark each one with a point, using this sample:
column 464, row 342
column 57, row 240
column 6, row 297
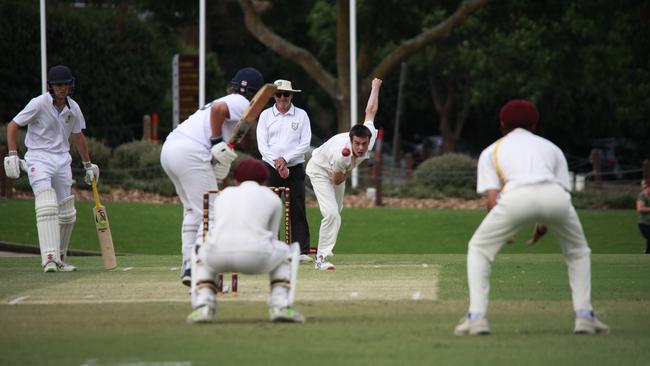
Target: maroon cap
column 251, row 170
column 519, row 113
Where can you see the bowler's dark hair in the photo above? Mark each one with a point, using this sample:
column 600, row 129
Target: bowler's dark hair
column 360, row 131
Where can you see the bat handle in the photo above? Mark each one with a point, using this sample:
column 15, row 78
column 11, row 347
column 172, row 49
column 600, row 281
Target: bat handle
column 95, row 192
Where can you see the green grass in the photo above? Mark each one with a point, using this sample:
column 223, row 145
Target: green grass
column 155, row 229
column 530, row 315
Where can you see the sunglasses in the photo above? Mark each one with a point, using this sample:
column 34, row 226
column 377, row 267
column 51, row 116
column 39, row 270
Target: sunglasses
column 283, row 94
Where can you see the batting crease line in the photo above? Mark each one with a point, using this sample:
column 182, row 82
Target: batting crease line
column 17, row 300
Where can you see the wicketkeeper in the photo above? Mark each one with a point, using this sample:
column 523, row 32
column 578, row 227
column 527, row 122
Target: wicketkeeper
column 244, row 239
column 51, row 119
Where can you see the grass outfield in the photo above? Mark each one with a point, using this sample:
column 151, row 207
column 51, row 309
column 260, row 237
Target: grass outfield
column 135, row 315
column 155, row 229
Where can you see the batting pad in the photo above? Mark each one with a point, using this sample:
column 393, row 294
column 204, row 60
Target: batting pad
column 47, row 224
column 67, row 218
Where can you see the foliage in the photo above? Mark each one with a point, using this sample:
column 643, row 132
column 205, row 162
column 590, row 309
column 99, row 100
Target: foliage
column 120, row 61
column 447, row 175
column 604, row 199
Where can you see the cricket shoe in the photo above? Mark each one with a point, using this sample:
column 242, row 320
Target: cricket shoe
column 202, row 314
column 65, row 267
column 590, row 326
column 323, row 264
column 472, row 327
column 285, row 315
column 305, row 258
column 186, row 274
column 50, row 266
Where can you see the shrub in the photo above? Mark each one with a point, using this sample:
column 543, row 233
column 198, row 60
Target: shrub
column 135, row 158
column 449, row 170
column 602, row 199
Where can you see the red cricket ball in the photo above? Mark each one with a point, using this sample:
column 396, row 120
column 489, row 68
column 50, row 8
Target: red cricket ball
column 345, row 151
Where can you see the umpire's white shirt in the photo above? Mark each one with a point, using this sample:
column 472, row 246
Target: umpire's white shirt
column 247, row 218
column 525, row 159
column 284, row 135
column 47, row 128
column 197, row 126
column 324, row 156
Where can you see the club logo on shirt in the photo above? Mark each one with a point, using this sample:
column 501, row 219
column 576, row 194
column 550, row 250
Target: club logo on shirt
column 294, row 125
column 67, row 118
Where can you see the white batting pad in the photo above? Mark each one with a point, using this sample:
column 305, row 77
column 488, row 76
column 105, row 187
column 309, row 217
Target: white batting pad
column 47, row 223
column 67, row 218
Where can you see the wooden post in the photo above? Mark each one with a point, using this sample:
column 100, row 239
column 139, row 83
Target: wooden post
column 146, row 127
column 154, row 128
column 597, row 164
column 408, row 162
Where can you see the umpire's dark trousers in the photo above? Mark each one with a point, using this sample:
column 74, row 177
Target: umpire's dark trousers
column 296, row 183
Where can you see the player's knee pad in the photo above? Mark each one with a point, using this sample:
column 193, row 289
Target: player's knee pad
column 46, row 204
column 67, row 211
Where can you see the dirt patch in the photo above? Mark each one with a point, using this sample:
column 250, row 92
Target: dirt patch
column 350, row 200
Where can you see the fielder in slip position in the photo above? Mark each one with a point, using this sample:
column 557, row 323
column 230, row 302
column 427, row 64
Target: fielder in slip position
column 196, row 155
column 529, row 176
column 244, row 239
column 51, row 119
column 328, row 169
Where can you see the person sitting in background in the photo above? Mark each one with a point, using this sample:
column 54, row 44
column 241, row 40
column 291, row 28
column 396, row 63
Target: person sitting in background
column 643, row 207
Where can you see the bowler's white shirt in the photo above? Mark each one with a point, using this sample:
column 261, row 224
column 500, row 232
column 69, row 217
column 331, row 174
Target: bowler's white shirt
column 284, row 135
column 524, row 158
column 197, row 126
column 325, row 155
column 247, row 218
column 47, row 128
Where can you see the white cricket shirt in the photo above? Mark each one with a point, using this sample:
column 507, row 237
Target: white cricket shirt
column 284, row 135
column 197, row 126
column 47, row 128
column 325, row 155
column 247, row 217
column 524, row 158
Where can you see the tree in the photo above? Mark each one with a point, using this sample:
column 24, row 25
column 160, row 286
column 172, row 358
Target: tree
column 336, row 84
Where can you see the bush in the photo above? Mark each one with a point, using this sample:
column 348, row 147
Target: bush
column 133, row 159
column 449, row 175
column 602, row 199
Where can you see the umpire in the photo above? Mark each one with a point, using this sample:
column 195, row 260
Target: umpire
column 283, row 137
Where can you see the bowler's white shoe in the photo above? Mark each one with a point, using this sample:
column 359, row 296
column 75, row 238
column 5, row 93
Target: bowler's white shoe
column 65, row 267
column 472, row 327
column 323, row 264
column 50, row 266
column 202, row 314
column 285, row 315
column 304, row 258
column 590, row 326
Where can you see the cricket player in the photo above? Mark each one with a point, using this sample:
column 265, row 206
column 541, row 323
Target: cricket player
column 195, row 154
column 51, row 119
column 244, row 239
column 528, row 175
column 328, row 169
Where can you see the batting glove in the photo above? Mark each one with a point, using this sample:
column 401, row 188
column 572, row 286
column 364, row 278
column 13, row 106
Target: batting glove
column 92, row 172
column 223, row 153
column 221, row 170
column 12, row 165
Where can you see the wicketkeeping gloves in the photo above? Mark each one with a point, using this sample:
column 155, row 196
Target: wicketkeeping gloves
column 92, row 172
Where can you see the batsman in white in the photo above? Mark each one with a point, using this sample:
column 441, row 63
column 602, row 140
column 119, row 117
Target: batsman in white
column 526, row 180
column 244, row 239
column 328, row 169
column 51, row 119
column 196, row 155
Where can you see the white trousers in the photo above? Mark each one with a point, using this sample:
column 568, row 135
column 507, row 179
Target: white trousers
column 271, row 257
column 187, row 164
column 49, row 170
column 330, row 203
column 545, row 203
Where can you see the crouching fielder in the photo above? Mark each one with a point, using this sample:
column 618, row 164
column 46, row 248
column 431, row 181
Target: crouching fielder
column 247, row 220
column 530, row 174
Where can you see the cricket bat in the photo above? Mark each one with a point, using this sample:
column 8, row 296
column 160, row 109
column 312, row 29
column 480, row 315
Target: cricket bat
column 103, row 231
column 251, row 113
